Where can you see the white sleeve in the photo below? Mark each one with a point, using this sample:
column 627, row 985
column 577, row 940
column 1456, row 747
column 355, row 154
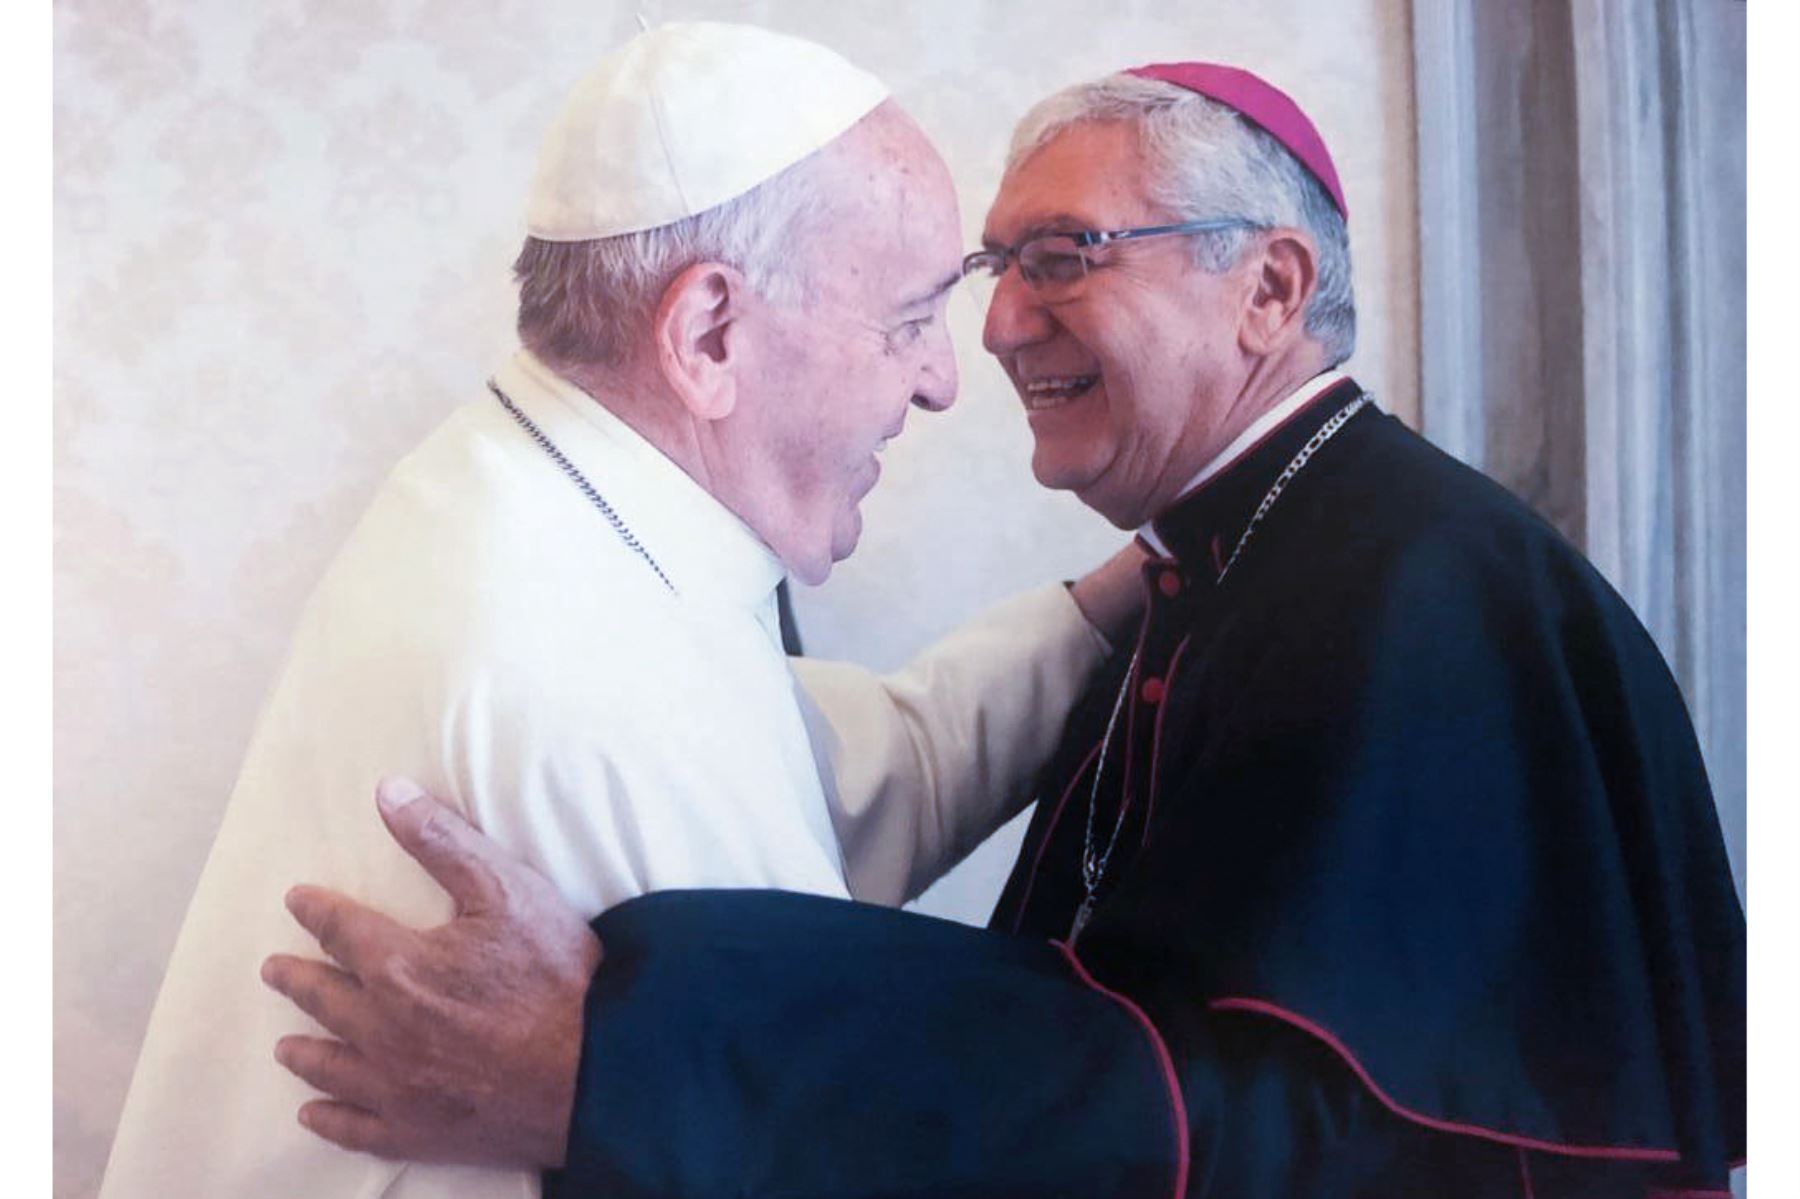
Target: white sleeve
column 922, row 765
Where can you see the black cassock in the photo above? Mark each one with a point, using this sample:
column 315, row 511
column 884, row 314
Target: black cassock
column 1417, row 890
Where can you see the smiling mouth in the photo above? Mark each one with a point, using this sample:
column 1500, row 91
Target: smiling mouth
column 1055, row 391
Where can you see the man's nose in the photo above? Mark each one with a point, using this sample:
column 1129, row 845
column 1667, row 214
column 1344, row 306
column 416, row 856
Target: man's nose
column 1016, row 317
column 936, row 388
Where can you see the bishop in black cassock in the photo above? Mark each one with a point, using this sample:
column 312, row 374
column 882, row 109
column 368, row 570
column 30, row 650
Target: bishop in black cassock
column 1417, row 890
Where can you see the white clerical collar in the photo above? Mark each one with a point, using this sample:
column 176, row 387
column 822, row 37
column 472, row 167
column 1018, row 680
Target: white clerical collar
column 1240, row 445
column 703, row 547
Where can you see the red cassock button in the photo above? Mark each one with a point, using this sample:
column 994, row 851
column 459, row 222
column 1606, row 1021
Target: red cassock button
column 1152, row 691
column 1169, row 584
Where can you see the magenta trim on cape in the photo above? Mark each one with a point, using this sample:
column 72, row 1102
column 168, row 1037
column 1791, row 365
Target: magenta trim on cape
column 1620, row 1152
column 1164, row 1061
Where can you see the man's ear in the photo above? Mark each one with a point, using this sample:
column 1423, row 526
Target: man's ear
column 695, row 333
column 1287, row 275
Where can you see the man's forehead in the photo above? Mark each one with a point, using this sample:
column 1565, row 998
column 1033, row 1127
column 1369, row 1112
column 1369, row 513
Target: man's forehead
column 915, row 240
column 1084, row 177
column 902, row 251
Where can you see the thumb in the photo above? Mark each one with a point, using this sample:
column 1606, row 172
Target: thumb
column 462, row 860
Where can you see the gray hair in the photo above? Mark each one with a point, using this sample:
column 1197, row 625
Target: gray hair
column 586, row 303
column 1205, row 160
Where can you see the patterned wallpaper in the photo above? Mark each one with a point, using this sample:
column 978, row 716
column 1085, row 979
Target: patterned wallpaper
column 281, row 240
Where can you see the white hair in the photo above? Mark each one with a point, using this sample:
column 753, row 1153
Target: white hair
column 1204, row 160
column 586, row 303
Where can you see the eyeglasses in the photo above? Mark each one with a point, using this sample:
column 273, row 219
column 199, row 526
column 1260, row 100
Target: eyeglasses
column 1056, row 265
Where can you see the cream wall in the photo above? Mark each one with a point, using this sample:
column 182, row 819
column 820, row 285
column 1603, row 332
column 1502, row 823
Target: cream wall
column 282, row 233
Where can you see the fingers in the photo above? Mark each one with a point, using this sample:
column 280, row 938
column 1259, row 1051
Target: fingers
column 462, row 860
column 337, row 1069
column 349, row 1126
column 354, row 936
column 325, row 993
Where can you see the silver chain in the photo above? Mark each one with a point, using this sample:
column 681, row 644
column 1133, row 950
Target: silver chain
column 1093, row 860
column 580, row 480
column 1093, row 865
column 1326, row 432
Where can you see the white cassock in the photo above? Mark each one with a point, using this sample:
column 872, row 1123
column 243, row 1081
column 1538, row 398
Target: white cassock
column 488, row 632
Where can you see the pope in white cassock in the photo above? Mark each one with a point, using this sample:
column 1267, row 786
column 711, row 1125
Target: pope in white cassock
column 559, row 611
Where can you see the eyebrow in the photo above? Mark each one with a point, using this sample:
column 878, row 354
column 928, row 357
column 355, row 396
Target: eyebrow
column 1056, row 222
column 934, row 291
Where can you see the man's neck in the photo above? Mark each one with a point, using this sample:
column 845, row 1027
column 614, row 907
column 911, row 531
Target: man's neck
column 1268, row 384
column 644, row 406
column 1252, row 435
column 643, row 402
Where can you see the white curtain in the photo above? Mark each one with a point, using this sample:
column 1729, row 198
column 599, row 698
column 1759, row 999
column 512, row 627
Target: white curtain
column 1581, row 176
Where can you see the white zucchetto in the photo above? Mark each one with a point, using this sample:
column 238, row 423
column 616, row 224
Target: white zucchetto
column 683, row 118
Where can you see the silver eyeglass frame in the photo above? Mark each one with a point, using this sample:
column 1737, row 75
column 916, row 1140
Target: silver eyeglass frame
column 993, row 263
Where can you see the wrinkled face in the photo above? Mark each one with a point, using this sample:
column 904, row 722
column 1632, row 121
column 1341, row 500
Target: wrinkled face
column 844, row 365
column 1129, row 384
